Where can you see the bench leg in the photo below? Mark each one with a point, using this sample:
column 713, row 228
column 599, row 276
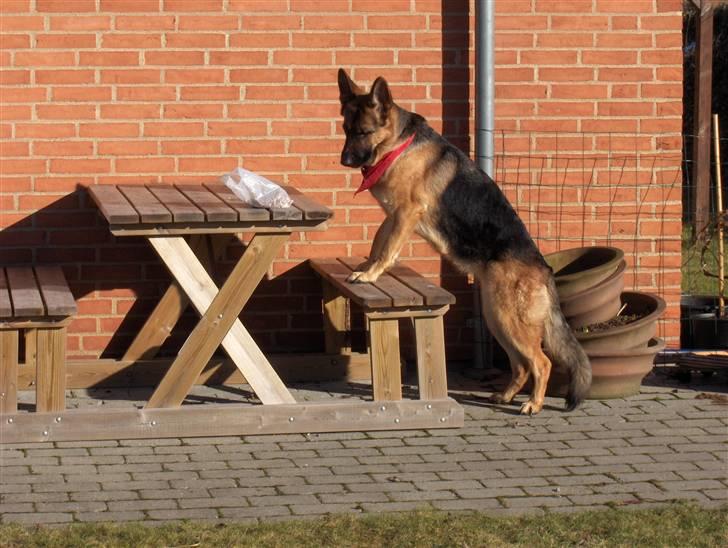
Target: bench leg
column 336, row 320
column 8, row 371
column 384, row 357
column 431, row 369
column 50, row 391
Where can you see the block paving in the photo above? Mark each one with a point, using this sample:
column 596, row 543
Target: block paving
column 668, row 443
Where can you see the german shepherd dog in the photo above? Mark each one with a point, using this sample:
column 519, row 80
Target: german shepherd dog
column 433, row 189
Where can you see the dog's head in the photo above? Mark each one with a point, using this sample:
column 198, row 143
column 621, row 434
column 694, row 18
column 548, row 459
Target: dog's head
column 367, row 121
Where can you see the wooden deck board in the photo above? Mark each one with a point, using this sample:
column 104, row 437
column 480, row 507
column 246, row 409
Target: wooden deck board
column 213, row 207
column 24, row 293
column 146, row 204
column 245, row 211
column 56, row 294
column 113, row 204
column 177, row 203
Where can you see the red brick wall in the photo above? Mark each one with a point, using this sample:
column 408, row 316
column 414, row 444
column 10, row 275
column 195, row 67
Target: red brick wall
column 140, row 91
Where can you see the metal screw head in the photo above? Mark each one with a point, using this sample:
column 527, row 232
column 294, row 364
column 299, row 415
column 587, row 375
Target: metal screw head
column 2, row 394
column 10, row 421
column 219, row 316
column 291, row 419
column 58, row 419
column 429, row 406
column 443, row 419
column 396, row 421
column 383, row 408
column 154, row 423
column 45, row 432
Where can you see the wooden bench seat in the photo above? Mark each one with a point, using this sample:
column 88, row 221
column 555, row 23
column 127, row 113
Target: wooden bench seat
column 37, row 302
column 401, row 293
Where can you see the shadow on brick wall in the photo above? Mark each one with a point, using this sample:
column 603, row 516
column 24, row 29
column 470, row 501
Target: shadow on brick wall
column 117, row 281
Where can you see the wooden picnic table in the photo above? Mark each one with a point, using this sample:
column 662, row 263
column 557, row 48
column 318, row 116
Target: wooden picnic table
column 190, row 227
column 208, row 215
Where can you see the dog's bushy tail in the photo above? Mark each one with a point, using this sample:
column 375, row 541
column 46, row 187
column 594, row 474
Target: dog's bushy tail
column 565, row 351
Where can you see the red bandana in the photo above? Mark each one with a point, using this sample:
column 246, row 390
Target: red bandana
column 372, row 174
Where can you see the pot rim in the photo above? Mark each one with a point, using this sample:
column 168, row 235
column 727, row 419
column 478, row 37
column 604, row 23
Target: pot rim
column 654, row 345
column 651, row 317
column 618, row 256
column 621, row 267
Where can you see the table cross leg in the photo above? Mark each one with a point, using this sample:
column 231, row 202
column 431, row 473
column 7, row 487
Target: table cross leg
column 219, row 323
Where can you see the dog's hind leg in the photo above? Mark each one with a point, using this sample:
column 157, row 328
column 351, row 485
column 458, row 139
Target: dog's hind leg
column 519, row 376
column 540, row 367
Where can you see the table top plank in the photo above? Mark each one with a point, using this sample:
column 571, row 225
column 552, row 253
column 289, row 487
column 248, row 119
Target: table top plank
column 149, row 208
column 401, row 294
column 286, row 213
column 213, row 207
column 56, row 294
column 363, row 294
column 113, row 204
column 6, row 308
column 311, row 208
column 245, row 211
column 177, row 203
column 24, row 292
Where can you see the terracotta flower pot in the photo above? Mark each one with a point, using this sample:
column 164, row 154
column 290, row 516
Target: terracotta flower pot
column 596, row 304
column 632, row 335
column 615, row 374
column 581, row 268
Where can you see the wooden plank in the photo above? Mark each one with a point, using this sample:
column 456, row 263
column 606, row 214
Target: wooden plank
column 24, row 293
column 384, row 353
column 6, row 308
column 56, row 293
column 31, row 348
column 269, row 227
column 311, row 208
column 245, row 211
column 149, row 208
column 365, row 295
column 50, row 392
column 182, row 210
column 229, row 420
column 431, row 367
column 307, row 367
column 286, row 213
column 8, row 371
column 401, row 294
column 433, row 294
column 113, row 204
column 336, row 320
column 220, row 316
column 213, row 207
column 158, row 326
column 701, row 116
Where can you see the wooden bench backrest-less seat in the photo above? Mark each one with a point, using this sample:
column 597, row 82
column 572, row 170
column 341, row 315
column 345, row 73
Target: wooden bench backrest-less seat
column 400, row 293
column 37, row 302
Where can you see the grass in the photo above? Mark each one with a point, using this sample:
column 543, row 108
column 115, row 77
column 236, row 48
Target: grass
column 674, row 525
column 694, row 282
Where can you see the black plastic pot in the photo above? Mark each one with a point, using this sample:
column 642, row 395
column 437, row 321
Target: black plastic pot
column 708, row 331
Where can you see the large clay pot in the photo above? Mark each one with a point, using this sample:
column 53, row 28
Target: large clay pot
column 615, row 374
column 632, row 335
column 596, row 304
column 581, row 268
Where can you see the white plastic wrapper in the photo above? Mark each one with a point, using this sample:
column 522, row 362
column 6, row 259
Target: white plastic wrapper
column 255, row 189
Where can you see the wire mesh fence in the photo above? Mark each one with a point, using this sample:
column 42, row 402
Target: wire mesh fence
column 631, row 191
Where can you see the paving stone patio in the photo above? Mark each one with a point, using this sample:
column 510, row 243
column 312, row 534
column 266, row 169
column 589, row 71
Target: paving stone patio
column 668, row 443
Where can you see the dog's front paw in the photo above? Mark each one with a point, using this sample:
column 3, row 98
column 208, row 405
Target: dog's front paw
column 359, row 277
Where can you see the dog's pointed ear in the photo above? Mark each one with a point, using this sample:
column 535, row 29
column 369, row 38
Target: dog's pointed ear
column 381, row 97
column 347, row 88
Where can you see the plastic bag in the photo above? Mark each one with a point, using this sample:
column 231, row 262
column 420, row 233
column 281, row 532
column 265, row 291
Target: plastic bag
column 255, row 189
